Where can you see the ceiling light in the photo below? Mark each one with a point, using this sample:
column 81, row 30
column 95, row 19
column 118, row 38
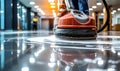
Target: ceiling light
column 38, row 9
column 50, row 1
column 32, row 14
column 94, row 7
column 118, row 9
column 52, row 6
column 32, row 3
column 114, row 11
column 102, row 14
column 41, row 11
column 36, row 6
column 99, row 3
column 90, row 9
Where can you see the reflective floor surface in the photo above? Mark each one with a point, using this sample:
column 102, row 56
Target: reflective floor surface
column 42, row 51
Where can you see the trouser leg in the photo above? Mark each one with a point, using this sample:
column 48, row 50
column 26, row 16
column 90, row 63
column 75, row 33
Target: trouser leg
column 81, row 5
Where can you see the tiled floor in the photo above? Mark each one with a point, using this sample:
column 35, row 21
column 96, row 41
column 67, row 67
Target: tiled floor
column 42, row 51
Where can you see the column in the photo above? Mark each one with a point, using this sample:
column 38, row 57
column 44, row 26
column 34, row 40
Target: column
column 14, row 21
column 8, row 15
column 98, row 21
column 110, row 19
column 96, row 17
column 29, row 18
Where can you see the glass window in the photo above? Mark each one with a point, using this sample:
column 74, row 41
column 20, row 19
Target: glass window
column 32, row 15
column 19, row 12
column 118, row 21
column 22, row 17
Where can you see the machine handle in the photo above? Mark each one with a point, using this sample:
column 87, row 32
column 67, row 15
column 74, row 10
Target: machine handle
column 108, row 17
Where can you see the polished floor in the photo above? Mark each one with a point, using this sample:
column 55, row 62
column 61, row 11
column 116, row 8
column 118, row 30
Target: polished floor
column 42, row 51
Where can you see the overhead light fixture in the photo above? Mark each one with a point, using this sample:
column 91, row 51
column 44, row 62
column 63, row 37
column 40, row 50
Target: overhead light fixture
column 32, row 14
column 91, row 9
column 52, row 6
column 102, row 14
column 36, row 6
column 51, row 1
column 32, row 3
column 99, row 3
column 41, row 11
column 118, row 9
column 94, row 7
column 114, row 11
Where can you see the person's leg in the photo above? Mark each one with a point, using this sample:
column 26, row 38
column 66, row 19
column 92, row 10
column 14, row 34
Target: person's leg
column 33, row 26
column 36, row 27
column 74, row 4
column 83, row 6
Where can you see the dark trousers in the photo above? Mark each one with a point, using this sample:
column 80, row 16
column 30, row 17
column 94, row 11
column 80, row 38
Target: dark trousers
column 81, row 5
column 34, row 26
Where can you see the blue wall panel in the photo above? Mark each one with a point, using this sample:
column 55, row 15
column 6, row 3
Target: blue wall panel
column 2, row 15
column 8, row 14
